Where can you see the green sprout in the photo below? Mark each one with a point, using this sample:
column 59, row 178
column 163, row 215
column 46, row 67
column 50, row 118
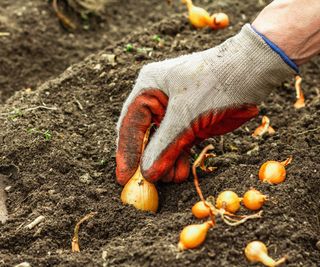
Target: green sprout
column 45, row 133
column 13, row 115
column 128, row 48
column 103, row 162
column 156, row 37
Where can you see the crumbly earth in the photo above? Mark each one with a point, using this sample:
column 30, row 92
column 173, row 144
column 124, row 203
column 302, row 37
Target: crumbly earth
column 57, row 155
column 39, row 48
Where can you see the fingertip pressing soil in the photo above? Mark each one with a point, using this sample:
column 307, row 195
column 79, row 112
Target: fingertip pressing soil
column 57, row 154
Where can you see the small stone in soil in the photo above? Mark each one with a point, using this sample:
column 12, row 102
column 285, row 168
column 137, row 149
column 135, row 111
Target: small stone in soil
column 85, row 178
column 23, row 264
column 3, row 207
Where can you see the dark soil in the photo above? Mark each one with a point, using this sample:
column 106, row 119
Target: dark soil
column 38, row 47
column 71, row 172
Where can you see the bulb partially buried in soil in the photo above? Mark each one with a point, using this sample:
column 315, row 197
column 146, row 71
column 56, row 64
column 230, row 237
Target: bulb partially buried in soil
column 256, row 251
column 274, row 172
column 140, row 193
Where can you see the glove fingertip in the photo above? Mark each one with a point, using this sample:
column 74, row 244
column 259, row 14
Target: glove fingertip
column 151, row 175
column 168, row 177
column 122, row 178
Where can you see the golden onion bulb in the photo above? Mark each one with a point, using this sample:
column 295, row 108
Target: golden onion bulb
column 253, row 199
column 140, row 193
column 256, row 251
column 193, row 235
column 229, row 201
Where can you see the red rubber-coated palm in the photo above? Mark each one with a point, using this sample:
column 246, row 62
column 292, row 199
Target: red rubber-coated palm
column 205, row 126
column 147, row 108
column 172, row 164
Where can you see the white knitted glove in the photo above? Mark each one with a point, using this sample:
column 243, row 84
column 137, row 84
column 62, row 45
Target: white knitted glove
column 191, row 98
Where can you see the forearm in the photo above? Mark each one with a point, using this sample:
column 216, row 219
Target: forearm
column 294, row 26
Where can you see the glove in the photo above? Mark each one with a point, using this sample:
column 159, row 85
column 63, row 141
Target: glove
column 191, row 98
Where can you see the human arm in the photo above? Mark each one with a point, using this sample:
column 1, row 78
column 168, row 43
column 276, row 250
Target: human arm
column 294, row 26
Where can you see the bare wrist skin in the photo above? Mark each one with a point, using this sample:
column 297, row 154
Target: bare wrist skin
column 294, row 26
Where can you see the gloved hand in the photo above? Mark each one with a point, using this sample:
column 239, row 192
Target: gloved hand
column 191, row 98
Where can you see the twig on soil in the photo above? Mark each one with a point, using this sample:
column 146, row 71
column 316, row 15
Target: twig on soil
column 18, row 111
column 221, row 144
column 78, row 104
column 75, row 240
column 309, row 131
column 40, row 107
column 35, row 222
column 63, row 18
column 4, row 34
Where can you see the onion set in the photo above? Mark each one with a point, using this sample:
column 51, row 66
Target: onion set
column 200, row 18
column 229, row 201
column 138, row 192
column 274, row 172
column 253, row 199
column 219, row 21
column 194, row 235
column 200, row 210
column 299, row 93
column 256, row 251
column 263, row 128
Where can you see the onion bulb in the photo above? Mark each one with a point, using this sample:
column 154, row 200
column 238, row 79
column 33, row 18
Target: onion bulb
column 263, row 128
column 256, row 251
column 140, row 193
column 219, row 21
column 193, row 235
column 200, row 210
column 273, row 172
column 229, row 201
column 198, row 16
column 253, row 199
column 299, row 93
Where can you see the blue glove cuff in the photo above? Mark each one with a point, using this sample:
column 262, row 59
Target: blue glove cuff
column 279, row 51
